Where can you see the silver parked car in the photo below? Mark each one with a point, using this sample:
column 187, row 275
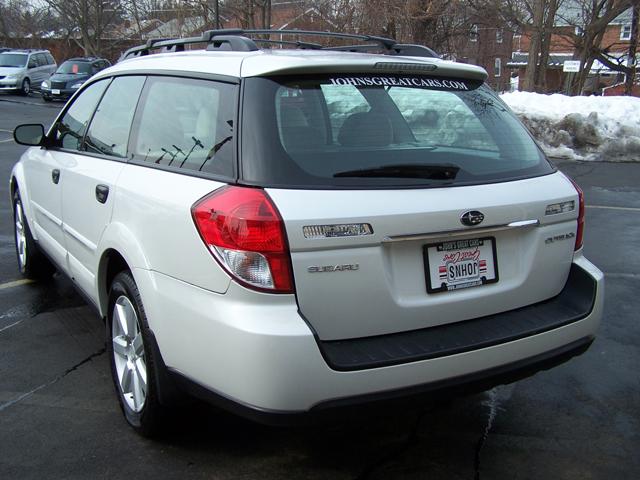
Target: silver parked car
column 286, row 232
column 22, row 70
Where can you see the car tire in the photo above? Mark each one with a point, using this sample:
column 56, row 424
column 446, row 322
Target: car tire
column 26, row 87
column 46, row 98
column 131, row 355
column 31, row 261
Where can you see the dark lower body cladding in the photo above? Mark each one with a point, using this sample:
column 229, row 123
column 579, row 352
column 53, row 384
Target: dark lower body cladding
column 574, row 303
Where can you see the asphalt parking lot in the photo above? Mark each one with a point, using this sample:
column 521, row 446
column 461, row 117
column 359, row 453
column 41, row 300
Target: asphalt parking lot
column 59, row 417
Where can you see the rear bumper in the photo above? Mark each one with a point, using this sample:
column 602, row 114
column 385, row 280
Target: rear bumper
column 575, row 302
column 255, row 355
column 393, row 400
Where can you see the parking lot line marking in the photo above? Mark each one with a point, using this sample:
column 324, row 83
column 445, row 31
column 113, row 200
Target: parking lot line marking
column 626, row 276
column 3, row 130
column 25, row 395
column 10, row 325
column 6, row 141
column 607, row 207
column 51, row 382
column 15, row 283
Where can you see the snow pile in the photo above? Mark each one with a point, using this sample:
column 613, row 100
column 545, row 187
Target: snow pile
column 582, row 128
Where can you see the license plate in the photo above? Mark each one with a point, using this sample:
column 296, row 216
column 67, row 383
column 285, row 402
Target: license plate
column 55, row 91
column 458, row 264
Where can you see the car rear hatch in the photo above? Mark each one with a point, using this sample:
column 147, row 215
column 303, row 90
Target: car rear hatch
column 382, row 273
column 409, row 201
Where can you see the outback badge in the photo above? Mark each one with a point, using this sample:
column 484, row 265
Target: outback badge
column 472, row 218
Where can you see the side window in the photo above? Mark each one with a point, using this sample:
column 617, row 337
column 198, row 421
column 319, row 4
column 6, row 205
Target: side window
column 71, row 128
column 186, row 123
column 50, row 59
column 109, row 130
column 301, row 118
column 32, row 62
column 41, row 59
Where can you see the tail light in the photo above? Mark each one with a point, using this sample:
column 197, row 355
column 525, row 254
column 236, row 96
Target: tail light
column 245, row 233
column 580, row 231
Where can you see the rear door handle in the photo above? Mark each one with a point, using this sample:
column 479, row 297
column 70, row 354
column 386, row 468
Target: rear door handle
column 102, row 192
column 55, row 175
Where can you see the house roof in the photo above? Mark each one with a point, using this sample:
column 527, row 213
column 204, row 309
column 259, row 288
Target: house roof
column 570, row 13
column 520, row 59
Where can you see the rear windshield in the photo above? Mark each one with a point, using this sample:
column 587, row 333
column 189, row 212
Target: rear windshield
column 12, row 60
column 75, row 68
column 381, row 131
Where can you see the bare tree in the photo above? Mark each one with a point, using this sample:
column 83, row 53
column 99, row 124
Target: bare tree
column 250, row 13
column 87, row 20
column 616, row 62
column 632, row 64
column 24, row 23
column 591, row 22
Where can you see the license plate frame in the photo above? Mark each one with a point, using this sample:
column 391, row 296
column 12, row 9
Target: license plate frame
column 453, row 246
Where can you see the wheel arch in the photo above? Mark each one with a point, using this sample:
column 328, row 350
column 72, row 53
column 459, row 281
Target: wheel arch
column 120, row 251
column 17, row 183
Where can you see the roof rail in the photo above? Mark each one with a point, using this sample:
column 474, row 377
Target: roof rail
column 245, row 41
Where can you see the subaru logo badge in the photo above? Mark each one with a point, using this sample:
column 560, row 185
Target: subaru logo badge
column 472, row 218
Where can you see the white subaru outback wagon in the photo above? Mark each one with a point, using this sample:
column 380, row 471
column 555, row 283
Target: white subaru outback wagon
column 287, row 232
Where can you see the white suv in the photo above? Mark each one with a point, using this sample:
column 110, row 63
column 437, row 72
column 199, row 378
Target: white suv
column 289, row 231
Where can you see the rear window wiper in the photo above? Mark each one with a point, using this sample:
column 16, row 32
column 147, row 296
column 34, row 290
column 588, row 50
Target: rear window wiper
column 430, row 172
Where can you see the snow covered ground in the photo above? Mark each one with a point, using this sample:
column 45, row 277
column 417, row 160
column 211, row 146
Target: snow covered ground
column 582, row 128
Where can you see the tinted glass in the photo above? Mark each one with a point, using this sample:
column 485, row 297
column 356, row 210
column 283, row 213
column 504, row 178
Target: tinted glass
column 75, row 68
column 50, row 59
column 187, row 124
column 41, row 60
column 12, row 60
column 381, row 130
column 111, row 124
column 71, row 128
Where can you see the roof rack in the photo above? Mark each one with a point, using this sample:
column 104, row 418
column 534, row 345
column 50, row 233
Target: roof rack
column 245, row 41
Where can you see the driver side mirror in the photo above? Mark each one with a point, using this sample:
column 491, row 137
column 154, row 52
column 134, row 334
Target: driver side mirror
column 29, row 134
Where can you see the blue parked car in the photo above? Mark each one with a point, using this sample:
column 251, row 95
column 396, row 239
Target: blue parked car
column 70, row 76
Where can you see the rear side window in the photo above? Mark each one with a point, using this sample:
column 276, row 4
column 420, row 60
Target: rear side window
column 186, row 123
column 71, row 128
column 359, row 131
column 111, row 124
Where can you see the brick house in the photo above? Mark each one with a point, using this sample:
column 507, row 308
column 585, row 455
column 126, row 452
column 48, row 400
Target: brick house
column 615, row 40
column 490, row 46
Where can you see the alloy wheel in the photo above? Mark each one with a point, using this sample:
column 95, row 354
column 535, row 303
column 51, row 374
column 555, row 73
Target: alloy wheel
column 21, row 237
column 128, row 354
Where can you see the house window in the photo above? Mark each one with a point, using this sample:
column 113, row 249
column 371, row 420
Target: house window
column 497, row 68
column 625, row 32
column 499, row 35
column 579, row 31
column 474, row 33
